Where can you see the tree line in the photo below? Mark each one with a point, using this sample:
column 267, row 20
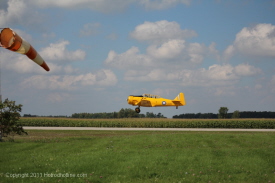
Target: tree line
column 235, row 114
column 123, row 113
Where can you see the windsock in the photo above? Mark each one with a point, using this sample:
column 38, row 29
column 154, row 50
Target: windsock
column 12, row 41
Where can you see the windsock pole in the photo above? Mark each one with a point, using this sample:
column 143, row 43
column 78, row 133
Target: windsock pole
column 13, row 42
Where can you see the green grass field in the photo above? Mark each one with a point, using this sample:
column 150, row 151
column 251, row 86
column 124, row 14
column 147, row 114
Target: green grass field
column 138, row 156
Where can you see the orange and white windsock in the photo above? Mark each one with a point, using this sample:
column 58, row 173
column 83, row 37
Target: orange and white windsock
column 12, row 41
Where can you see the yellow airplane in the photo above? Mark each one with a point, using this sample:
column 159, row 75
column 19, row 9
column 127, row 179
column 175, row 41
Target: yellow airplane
column 148, row 100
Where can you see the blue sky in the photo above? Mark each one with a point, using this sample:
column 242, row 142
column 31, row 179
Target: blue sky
column 219, row 53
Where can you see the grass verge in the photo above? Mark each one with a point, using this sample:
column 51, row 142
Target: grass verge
column 138, row 156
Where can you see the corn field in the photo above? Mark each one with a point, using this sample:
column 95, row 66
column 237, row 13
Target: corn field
column 150, row 123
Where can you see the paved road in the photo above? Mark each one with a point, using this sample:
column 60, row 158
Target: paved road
column 150, row 129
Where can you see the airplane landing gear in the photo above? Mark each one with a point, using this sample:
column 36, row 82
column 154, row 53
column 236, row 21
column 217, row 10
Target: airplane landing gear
column 137, row 109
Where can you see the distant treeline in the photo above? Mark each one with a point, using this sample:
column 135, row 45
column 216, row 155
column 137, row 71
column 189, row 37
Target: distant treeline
column 51, row 116
column 123, row 113
column 244, row 114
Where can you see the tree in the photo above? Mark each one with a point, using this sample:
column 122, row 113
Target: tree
column 236, row 114
column 9, row 116
column 121, row 113
column 223, row 112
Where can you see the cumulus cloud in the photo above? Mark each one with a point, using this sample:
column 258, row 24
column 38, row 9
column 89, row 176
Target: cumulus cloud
column 224, row 90
column 171, row 54
column 247, row 70
column 102, row 5
column 273, row 83
column 151, row 75
column 168, row 50
column 16, row 11
column 162, row 4
column 90, row 29
column 19, row 63
column 71, row 82
column 109, row 5
column 57, row 97
column 130, row 59
column 173, row 59
column 215, row 75
column 258, row 40
column 160, row 31
column 58, row 51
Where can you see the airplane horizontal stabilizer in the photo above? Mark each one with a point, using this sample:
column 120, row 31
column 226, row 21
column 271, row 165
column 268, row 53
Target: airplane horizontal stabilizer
column 179, row 100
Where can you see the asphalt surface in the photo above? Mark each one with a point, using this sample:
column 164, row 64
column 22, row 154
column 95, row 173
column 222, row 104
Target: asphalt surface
column 150, row 129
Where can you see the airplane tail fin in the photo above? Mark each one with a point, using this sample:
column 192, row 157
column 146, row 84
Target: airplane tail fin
column 180, row 99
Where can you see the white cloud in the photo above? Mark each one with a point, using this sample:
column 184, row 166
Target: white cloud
column 109, row 5
column 170, row 54
column 273, row 80
column 196, row 52
column 168, row 50
column 220, row 72
column 57, row 97
column 97, row 5
column 130, row 59
column 273, row 83
column 224, row 90
column 57, row 51
column 247, row 70
column 105, row 78
column 112, row 36
column 229, row 52
column 162, row 4
column 149, row 75
column 16, row 12
column 71, row 82
column 215, row 75
column 160, row 31
column 255, row 41
column 90, row 29
column 19, row 63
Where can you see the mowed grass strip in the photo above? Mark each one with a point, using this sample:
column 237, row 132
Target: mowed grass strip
column 137, row 156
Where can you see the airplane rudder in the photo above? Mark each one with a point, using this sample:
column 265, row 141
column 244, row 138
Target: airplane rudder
column 182, row 98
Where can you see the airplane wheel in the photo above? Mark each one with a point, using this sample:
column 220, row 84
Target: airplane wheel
column 137, row 110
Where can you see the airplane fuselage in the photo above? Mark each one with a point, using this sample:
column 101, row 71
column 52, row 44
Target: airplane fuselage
column 150, row 102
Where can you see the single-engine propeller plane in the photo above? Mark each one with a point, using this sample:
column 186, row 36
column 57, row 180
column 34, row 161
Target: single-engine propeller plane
column 148, row 100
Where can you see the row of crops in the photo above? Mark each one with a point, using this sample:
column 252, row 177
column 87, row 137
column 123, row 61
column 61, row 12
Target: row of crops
column 151, row 123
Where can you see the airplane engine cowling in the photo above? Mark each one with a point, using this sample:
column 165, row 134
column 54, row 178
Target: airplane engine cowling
column 131, row 100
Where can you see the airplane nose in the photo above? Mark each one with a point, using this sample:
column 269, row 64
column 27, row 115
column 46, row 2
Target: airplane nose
column 129, row 100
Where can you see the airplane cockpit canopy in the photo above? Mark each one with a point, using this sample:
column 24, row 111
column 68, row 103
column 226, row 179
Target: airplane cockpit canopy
column 151, row 96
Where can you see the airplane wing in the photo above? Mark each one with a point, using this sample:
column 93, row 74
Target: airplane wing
column 145, row 102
